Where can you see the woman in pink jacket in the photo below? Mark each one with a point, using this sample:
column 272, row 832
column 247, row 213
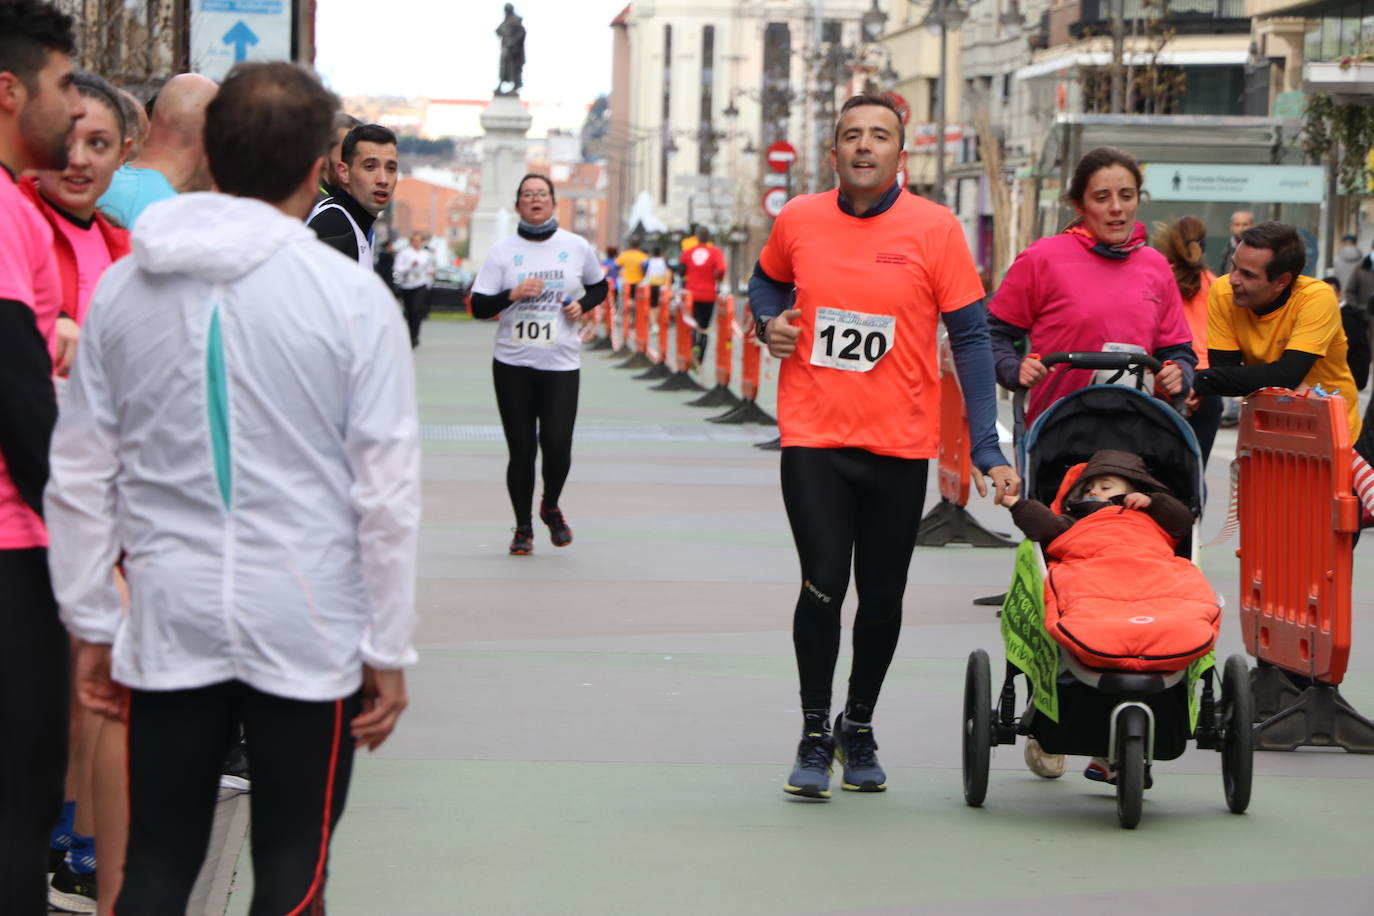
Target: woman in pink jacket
column 1092, row 286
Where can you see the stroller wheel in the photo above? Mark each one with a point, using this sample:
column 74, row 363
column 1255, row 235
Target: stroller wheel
column 1130, row 766
column 1237, row 736
column 977, row 734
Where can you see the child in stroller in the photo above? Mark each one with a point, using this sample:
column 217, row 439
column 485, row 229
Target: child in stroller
column 1111, row 479
column 1108, row 619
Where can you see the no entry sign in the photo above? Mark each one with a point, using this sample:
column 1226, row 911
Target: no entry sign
column 781, row 155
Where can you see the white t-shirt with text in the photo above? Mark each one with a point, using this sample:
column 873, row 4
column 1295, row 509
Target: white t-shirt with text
column 534, row 332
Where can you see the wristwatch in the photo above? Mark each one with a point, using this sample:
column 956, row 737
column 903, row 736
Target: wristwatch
column 761, row 329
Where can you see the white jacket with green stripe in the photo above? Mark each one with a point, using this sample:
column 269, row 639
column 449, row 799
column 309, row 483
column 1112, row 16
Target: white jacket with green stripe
column 241, row 425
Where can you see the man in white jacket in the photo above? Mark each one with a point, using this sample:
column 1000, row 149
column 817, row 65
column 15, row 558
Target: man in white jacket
column 241, row 429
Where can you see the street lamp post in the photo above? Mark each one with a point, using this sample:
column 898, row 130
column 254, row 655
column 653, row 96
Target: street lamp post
column 943, row 16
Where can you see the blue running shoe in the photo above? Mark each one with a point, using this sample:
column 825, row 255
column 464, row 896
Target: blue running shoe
column 856, row 749
column 810, row 778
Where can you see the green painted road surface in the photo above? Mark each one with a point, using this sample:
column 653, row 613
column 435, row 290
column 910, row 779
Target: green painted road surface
column 605, row 728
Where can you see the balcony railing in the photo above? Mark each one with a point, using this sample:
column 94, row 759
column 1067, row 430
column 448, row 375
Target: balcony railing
column 1176, row 13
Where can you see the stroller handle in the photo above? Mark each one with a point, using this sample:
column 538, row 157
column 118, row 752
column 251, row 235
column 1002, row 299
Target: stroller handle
column 1092, row 359
column 1088, row 359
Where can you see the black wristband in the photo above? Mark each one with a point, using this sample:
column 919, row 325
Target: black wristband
column 761, row 329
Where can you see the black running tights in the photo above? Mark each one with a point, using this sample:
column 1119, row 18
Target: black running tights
column 849, row 504
column 300, row 758
column 538, row 408
column 34, row 706
column 413, row 304
column 702, row 312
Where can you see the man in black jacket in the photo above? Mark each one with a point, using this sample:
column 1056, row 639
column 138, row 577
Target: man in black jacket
column 366, row 175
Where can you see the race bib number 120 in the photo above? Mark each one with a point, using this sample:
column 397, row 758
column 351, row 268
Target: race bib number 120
column 851, row 341
column 532, row 332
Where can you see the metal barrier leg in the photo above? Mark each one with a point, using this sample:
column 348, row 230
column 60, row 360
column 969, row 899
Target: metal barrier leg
column 1318, row 717
column 950, row 523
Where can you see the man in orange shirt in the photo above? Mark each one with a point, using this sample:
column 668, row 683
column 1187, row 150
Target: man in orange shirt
column 873, row 271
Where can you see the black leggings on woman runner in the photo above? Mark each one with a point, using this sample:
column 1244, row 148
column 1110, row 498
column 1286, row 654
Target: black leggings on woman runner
column 849, row 504
column 538, row 408
column 300, row 756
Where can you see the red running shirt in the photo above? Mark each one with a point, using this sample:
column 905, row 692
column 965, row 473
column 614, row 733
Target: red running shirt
column 867, row 288
column 703, row 265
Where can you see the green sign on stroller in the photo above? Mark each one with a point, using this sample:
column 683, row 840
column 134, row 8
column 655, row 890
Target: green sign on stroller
column 1029, row 646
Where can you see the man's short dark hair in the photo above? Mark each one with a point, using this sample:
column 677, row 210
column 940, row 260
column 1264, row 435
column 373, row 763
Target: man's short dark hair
column 882, row 100
column 703, row 235
column 1290, row 254
column 364, row 133
column 265, row 129
column 345, row 121
column 28, row 31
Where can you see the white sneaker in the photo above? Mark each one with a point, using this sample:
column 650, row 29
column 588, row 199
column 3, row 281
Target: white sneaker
column 1046, row 766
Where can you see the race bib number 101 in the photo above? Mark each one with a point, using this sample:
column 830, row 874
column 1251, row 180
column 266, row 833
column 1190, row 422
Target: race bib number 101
column 851, row 341
column 532, row 332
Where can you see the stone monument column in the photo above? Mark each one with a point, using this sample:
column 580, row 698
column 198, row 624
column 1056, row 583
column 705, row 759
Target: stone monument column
column 504, row 124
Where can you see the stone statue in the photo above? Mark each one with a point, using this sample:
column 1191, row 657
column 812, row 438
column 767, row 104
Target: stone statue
column 512, row 35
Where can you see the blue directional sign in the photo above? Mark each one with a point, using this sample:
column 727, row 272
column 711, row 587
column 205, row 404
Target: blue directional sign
column 224, row 32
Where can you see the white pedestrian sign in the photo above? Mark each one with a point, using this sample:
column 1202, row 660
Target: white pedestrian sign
column 224, row 32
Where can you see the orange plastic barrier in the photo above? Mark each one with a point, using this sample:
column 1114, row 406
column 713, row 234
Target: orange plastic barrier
column 641, row 304
column 665, row 323
column 948, row 521
column 1296, row 517
column 626, row 313
column 725, row 340
column 955, row 469
column 684, row 333
column 749, row 367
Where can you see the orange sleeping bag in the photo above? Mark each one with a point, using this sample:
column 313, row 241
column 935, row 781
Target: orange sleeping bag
column 1118, row 597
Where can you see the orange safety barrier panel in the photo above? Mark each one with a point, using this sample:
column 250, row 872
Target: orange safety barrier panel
column 1297, row 514
column 641, row 318
column 665, row 323
column 1297, row 518
column 684, row 333
column 749, row 368
column 954, row 468
column 725, row 341
column 626, row 313
column 948, row 521
column 721, row 395
column 748, row 410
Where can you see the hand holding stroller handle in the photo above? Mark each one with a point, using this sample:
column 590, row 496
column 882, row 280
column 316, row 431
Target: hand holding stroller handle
column 1092, row 359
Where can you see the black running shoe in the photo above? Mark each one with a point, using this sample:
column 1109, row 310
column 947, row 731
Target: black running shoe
column 523, row 542
column 856, row 749
column 559, row 532
column 810, row 777
column 70, row 892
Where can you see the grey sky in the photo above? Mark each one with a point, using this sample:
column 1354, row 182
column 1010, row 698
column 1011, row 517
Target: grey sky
column 450, row 50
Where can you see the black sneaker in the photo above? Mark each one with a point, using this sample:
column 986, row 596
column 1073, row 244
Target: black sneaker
column 234, row 778
column 810, row 777
column 70, row 892
column 559, row 532
column 523, row 542
column 856, row 749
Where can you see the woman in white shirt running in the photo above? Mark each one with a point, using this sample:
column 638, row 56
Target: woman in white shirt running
column 539, row 281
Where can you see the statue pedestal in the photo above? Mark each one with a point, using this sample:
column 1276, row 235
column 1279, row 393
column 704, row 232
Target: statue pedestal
column 504, row 123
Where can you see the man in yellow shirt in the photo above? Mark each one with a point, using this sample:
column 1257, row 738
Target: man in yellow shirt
column 631, row 264
column 1268, row 326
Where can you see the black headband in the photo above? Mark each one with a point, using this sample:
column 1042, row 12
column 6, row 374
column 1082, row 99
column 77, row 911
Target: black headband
column 90, row 83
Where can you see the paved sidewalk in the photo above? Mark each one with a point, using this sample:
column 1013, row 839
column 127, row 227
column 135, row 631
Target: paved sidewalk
column 605, row 728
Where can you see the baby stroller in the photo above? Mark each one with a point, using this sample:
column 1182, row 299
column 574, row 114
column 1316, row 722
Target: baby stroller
column 1131, row 706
